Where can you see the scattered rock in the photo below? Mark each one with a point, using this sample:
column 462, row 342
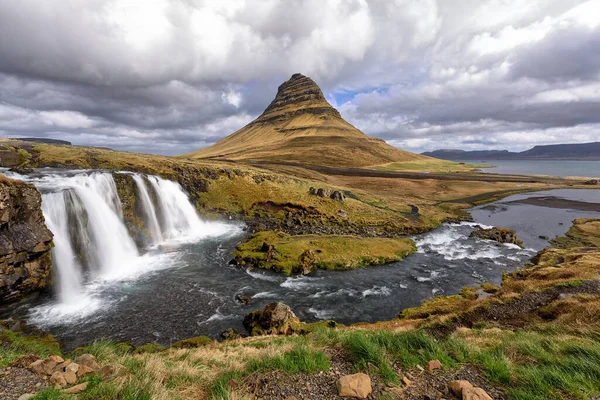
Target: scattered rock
column 231, row 333
column 87, row 360
column 457, row 387
column 406, row 381
column 83, row 370
column 24, row 361
column 433, row 365
column 592, row 182
column 43, row 367
column 356, row 385
column 242, row 298
column 70, row 377
column 76, row 389
column 336, row 195
column 58, row 380
column 276, row 318
column 501, row 235
column 474, row 393
column 110, row 371
column 26, row 396
column 72, row 367
column 307, row 261
column 57, row 359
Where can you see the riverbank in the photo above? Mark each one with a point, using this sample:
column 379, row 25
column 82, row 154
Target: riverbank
column 533, row 337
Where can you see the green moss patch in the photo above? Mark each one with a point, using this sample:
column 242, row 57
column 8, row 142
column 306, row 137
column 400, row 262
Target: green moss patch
column 303, row 253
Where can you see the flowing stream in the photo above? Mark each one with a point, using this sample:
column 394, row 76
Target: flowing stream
column 179, row 284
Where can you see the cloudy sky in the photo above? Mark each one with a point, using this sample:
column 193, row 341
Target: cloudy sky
column 172, row 76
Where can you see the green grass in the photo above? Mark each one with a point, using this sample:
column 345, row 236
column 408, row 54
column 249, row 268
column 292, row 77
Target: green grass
column 331, row 252
column 14, row 345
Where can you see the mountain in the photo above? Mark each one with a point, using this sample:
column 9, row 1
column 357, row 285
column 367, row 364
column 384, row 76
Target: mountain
column 454, row 154
column 578, row 151
column 300, row 126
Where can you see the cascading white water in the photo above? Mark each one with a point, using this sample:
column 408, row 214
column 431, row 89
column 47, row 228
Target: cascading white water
column 149, row 210
column 179, row 217
column 69, row 276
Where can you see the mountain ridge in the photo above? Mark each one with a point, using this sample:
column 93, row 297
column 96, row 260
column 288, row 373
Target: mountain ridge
column 568, row 151
column 300, row 126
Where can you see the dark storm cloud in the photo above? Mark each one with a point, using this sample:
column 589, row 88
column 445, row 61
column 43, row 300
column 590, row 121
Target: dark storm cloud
column 172, row 76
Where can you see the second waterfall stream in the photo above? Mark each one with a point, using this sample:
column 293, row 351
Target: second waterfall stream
column 93, row 245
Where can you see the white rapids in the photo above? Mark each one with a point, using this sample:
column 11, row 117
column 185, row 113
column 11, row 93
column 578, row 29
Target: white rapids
column 93, row 249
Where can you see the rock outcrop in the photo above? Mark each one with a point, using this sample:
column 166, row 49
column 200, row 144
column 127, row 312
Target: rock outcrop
column 25, row 241
column 500, row 235
column 275, row 319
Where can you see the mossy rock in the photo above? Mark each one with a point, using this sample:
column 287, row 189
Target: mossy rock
column 149, row 348
column 191, row 343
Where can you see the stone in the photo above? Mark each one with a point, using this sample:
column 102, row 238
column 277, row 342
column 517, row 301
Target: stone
column 58, row 380
column 73, row 367
column 457, row 387
column 356, row 385
column 76, row 389
column 110, row 371
column 24, row 361
column 63, row 365
column 87, row 360
column 84, row 370
column 338, row 196
column 307, row 261
column 276, row 318
column 406, row 381
column 231, row 333
column 37, row 366
column 26, row 396
column 475, row 393
column 242, row 298
column 433, row 365
column 70, row 377
column 500, row 235
column 57, row 359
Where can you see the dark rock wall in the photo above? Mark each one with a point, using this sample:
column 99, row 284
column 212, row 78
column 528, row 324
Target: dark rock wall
column 25, row 241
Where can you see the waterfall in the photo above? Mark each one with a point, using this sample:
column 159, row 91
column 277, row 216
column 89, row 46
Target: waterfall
column 69, row 277
column 179, row 217
column 150, row 217
column 93, row 248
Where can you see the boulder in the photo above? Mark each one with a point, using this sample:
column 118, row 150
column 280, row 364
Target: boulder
column 57, row 379
column 83, row 370
column 307, row 261
column 26, row 396
column 356, row 385
column 24, row 361
column 276, row 318
column 87, row 360
column 242, row 298
column 72, row 367
column 43, row 367
column 76, row 389
column 338, row 196
column 433, row 365
column 57, row 359
column 500, row 235
column 70, row 377
column 475, row 393
column 324, row 193
column 231, row 333
column 457, row 387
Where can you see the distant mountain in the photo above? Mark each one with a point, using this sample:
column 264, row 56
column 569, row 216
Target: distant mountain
column 43, row 140
column 300, row 126
column 579, row 151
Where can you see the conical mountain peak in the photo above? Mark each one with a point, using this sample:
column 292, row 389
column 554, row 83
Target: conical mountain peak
column 297, row 95
column 300, row 126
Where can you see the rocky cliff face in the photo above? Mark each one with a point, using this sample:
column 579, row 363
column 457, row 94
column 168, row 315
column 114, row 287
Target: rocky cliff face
column 25, row 241
column 298, row 95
